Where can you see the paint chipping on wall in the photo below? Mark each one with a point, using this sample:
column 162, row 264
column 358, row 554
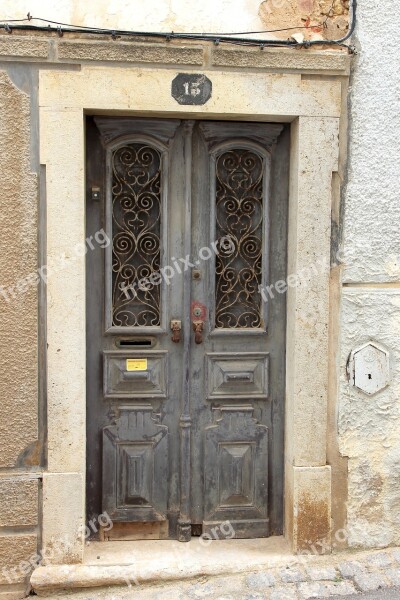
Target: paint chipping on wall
column 305, row 19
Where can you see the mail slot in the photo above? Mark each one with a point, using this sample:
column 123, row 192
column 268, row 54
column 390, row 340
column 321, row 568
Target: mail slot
column 147, row 342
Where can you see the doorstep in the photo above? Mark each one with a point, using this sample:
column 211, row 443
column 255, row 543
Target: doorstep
column 243, row 570
column 140, row 562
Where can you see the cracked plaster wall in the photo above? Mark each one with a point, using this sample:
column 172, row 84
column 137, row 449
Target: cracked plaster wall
column 369, row 427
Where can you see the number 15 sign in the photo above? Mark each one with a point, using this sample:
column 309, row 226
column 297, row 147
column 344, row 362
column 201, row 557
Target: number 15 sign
column 190, row 88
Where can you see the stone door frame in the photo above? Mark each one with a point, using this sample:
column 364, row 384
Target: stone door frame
column 313, row 106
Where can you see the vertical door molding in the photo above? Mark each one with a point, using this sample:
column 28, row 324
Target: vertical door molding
column 66, row 335
column 314, row 156
column 184, row 522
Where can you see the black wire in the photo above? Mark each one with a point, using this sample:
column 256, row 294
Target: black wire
column 85, row 27
column 216, row 38
column 14, row 20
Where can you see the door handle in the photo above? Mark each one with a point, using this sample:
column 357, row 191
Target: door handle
column 198, row 327
column 176, row 328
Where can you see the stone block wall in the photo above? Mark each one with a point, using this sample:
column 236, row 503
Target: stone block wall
column 21, row 452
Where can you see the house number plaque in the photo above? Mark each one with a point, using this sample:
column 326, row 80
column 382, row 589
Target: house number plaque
column 191, row 89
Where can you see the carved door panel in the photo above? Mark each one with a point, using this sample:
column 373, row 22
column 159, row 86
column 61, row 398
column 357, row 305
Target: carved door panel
column 185, row 365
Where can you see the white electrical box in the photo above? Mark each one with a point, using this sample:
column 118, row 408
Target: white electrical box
column 369, row 368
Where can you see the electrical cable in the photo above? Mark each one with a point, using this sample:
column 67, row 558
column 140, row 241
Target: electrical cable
column 216, row 38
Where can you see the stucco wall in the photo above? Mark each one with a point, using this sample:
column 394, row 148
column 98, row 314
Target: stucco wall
column 369, row 427
column 328, row 19
column 20, row 453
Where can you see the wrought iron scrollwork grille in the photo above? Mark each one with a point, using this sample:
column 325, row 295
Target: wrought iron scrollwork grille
column 239, row 215
column 136, row 227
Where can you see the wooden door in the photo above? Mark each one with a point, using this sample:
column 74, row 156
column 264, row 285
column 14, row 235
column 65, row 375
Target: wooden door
column 186, row 352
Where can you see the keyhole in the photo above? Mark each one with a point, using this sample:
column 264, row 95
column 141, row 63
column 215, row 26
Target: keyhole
column 369, row 376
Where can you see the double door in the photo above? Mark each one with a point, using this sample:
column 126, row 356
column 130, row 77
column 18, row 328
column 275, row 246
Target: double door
column 185, row 343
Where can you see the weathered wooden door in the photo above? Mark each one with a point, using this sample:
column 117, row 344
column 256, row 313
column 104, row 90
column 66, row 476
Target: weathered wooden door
column 185, row 343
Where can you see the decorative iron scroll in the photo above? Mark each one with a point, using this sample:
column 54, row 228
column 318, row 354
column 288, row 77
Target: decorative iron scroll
column 239, row 215
column 136, row 227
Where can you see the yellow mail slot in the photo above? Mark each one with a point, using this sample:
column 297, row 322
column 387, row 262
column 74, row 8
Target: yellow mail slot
column 136, row 364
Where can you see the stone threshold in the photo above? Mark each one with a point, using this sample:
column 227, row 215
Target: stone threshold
column 149, row 561
column 247, row 566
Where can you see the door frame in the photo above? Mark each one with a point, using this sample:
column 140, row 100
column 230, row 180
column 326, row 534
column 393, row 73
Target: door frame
column 313, row 106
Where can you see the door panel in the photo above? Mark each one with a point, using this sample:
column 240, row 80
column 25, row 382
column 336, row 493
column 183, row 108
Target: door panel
column 135, row 374
column 185, row 365
column 241, row 377
column 135, row 467
column 236, row 472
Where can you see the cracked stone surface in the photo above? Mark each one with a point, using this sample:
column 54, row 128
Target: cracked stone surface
column 317, row 589
column 292, row 575
column 368, row 582
column 396, row 555
column 383, row 559
column 394, row 576
column 260, row 580
column 319, row 574
column 349, row 569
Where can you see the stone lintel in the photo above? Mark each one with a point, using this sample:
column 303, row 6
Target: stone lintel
column 23, row 47
column 130, row 52
column 288, row 59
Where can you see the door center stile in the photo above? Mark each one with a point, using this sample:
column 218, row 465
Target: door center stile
column 185, row 421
